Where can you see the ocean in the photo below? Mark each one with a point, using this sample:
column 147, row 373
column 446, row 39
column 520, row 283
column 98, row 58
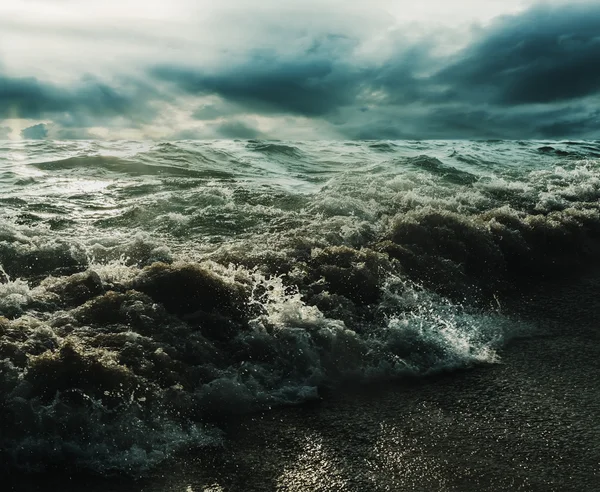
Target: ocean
column 270, row 315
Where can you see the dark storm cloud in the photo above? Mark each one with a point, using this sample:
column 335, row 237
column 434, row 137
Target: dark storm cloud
column 472, row 121
column 570, row 125
column 28, row 97
column 533, row 75
column 513, row 123
column 312, row 82
column 315, row 82
column 307, row 87
column 542, row 56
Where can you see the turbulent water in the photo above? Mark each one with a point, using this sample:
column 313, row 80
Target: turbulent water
column 149, row 291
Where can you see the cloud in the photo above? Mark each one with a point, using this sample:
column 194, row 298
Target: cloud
column 533, row 74
column 576, row 123
column 35, row 132
column 28, row 97
column 238, row 129
column 71, row 133
column 213, row 111
column 233, row 129
column 546, row 55
column 514, row 123
column 517, row 79
column 312, row 82
column 5, row 132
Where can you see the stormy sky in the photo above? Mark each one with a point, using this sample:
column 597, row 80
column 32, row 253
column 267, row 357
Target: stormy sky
column 328, row 69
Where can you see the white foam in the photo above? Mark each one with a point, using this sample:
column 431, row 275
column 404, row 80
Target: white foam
column 14, row 295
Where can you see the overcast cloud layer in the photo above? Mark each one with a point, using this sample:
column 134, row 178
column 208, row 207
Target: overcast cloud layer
column 307, row 70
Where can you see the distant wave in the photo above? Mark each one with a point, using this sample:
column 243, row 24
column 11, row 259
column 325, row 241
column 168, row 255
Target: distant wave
column 437, row 167
column 127, row 166
column 383, row 146
column 273, row 148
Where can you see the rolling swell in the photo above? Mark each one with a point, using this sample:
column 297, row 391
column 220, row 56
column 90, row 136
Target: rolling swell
column 449, row 173
column 126, row 166
column 133, row 338
column 274, row 148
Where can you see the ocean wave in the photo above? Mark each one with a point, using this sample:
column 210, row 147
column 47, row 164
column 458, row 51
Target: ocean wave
column 447, row 172
column 467, row 257
column 131, row 167
column 383, row 146
column 274, row 148
column 199, row 280
column 124, row 373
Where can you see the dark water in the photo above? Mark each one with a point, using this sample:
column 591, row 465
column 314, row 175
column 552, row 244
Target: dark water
column 300, row 316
